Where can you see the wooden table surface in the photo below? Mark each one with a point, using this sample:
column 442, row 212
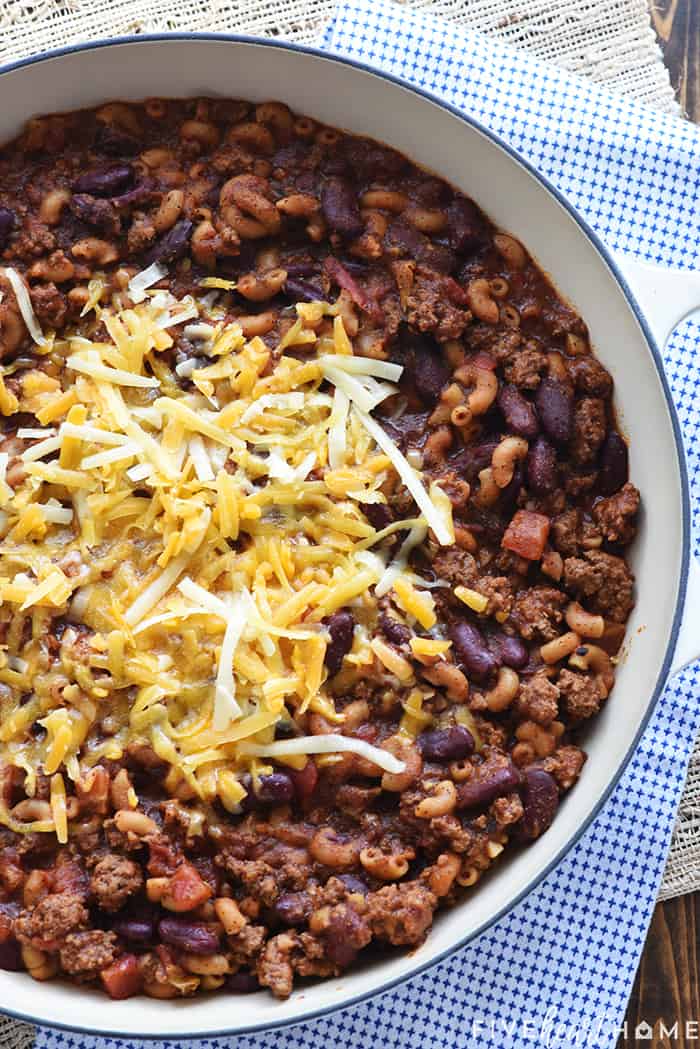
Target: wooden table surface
column 667, row 987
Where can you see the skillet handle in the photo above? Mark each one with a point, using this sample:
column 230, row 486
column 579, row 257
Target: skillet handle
column 667, row 297
column 688, row 642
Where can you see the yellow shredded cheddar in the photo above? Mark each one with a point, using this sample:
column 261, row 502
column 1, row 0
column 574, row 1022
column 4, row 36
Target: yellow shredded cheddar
column 194, row 537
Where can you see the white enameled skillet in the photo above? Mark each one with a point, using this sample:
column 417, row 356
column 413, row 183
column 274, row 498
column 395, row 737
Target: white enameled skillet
column 630, row 310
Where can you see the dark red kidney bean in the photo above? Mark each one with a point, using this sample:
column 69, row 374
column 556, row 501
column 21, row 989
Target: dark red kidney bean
column 424, row 364
column 300, row 269
column 379, row 515
column 242, row 982
column 446, row 744
column 11, row 956
column 540, row 799
column 138, row 930
column 614, row 464
column 95, row 212
column 519, row 414
column 302, row 290
column 372, row 161
column 511, row 651
column 541, row 467
column 472, row 650
column 340, row 626
column 394, row 631
column 340, row 208
column 480, row 792
column 509, row 495
column 173, row 245
column 430, row 375
column 354, row 884
column 116, row 143
column 304, row 780
column 193, row 937
column 275, row 789
column 402, row 238
column 7, row 224
column 105, row 182
column 145, row 191
column 345, row 933
column 555, row 407
column 293, row 908
column 471, row 461
column 465, row 225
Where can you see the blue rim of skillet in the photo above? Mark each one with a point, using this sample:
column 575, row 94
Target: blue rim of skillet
column 516, row 158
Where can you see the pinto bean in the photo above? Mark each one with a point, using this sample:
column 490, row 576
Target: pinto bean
column 340, row 626
column 519, row 414
column 542, row 467
column 540, row 799
column 446, row 744
column 193, row 937
column 173, row 245
column 614, row 465
column 105, row 182
column 340, row 207
column 482, row 791
column 556, row 410
column 472, row 650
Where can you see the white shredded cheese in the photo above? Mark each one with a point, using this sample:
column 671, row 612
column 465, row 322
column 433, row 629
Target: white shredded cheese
column 185, row 368
column 329, row 743
column 225, row 706
column 289, row 402
column 364, row 391
column 139, row 472
column 55, row 513
column 35, row 433
column 362, row 366
column 337, row 429
column 92, row 433
column 115, row 375
column 433, row 516
column 111, row 455
column 145, row 279
column 25, row 306
column 414, row 538
column 200, row 459
column 42, row 448
column 157, row 589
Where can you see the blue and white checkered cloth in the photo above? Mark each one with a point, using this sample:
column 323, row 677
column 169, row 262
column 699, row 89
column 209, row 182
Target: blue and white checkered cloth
column 557, row 970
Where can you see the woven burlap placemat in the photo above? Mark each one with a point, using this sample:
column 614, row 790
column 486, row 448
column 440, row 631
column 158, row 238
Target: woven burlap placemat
column 609, row 41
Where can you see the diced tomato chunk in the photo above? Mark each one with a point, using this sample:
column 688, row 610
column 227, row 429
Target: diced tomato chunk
column 187, row 889
column 123, row 978
column 526, row 535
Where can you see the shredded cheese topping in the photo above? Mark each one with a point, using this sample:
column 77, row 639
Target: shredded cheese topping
column 194, row 535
